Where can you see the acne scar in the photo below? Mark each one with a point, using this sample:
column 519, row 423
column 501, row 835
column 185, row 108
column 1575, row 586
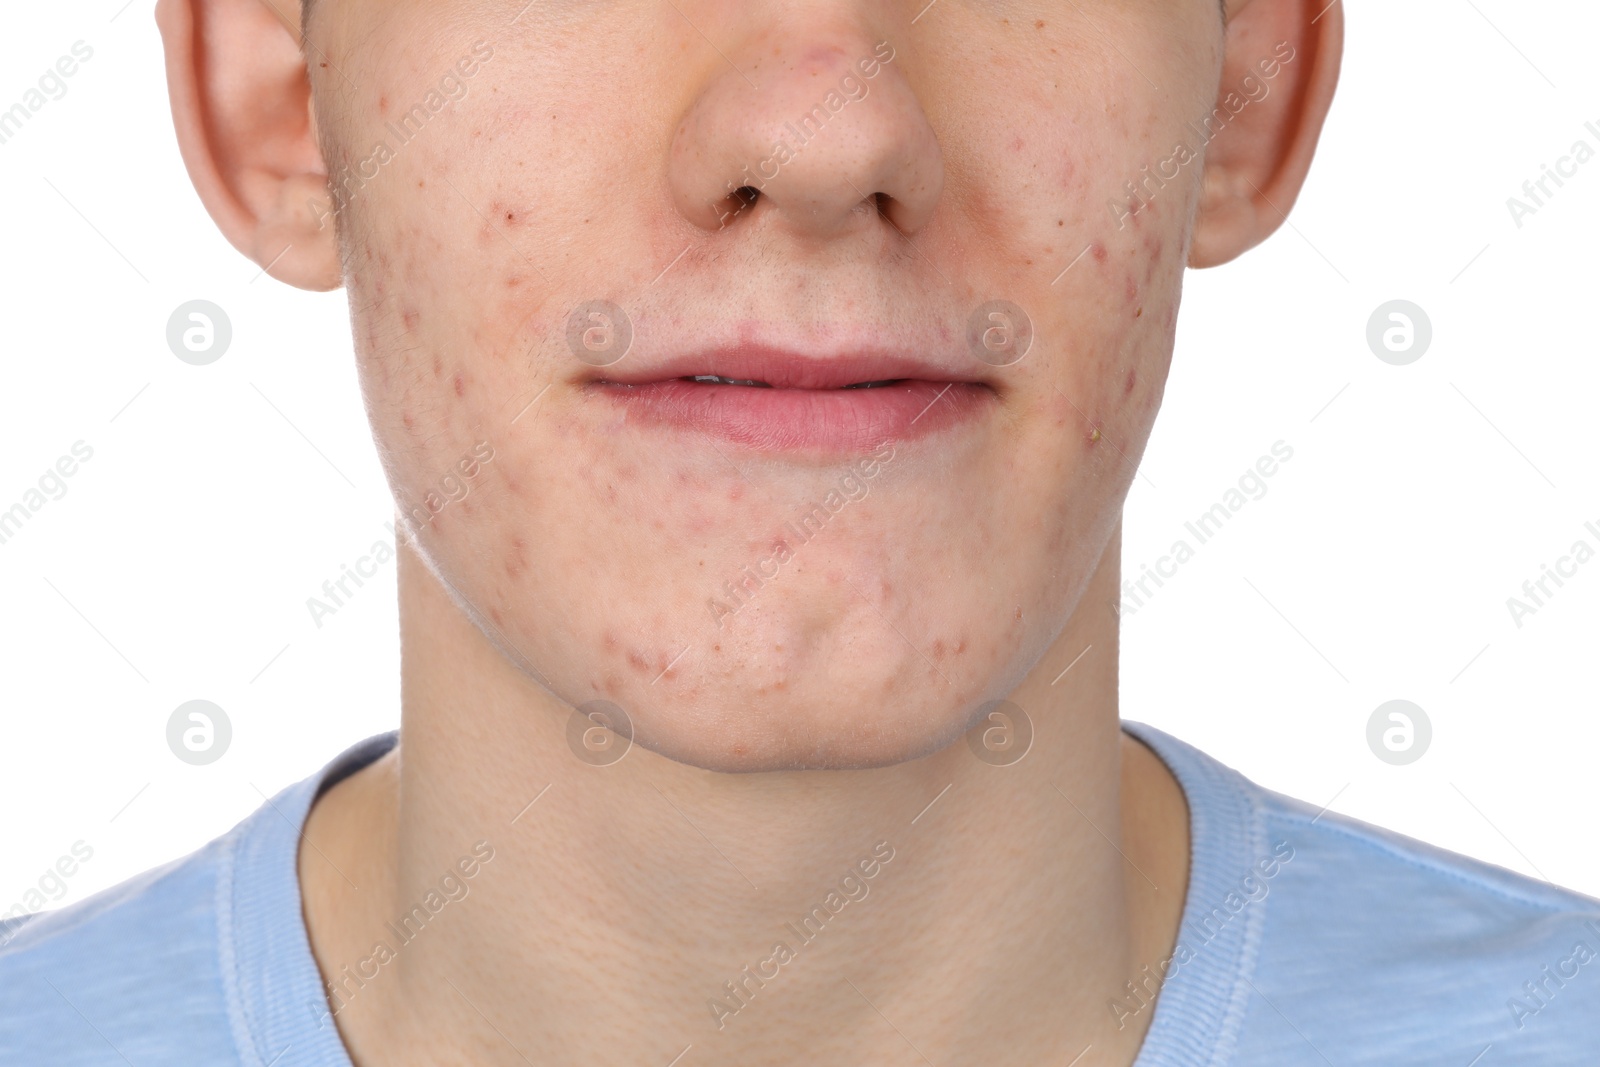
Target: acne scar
column 461, row 388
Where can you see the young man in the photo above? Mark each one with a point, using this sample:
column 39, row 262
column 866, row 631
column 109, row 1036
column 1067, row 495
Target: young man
column 760, row 385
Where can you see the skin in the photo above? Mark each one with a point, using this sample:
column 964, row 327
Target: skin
column 590, row 157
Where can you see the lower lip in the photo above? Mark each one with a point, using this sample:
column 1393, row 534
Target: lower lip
column 842, row 420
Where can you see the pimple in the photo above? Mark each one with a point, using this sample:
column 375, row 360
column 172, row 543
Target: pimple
column 410, row 317
column 1016, row 144
column 1130, row 290
column 438, row 368
column 1133, row 376
column 407, row 420
column 1098, row 251
column 637, row 661
column 461, row 387
column 1093, row 435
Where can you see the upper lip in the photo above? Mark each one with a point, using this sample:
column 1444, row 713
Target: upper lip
column 787, row 368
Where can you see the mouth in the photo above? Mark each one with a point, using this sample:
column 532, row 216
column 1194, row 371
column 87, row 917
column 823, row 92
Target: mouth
column 783, row 401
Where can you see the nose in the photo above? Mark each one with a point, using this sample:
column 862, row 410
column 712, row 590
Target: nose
column 821, row 135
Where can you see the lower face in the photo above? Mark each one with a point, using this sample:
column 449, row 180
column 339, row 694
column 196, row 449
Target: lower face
column 918, row 413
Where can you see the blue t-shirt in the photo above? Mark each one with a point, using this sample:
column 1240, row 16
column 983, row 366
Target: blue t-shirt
column 1306, row 938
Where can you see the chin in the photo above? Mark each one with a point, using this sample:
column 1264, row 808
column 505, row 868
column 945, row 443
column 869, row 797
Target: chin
column 770, row 698
column 741, row 734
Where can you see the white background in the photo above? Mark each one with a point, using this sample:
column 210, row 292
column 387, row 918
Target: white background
column 1377, row 566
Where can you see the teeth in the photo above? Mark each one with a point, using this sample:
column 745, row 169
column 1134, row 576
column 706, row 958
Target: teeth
column 717, row 379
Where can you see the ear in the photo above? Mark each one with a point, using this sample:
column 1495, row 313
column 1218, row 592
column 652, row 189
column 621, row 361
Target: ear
column 241, row 102
column 1278, row 75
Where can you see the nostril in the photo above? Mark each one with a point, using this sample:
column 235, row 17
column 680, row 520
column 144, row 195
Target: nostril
column 735, row 203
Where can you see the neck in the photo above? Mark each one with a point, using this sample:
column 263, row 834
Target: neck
column 944, row 908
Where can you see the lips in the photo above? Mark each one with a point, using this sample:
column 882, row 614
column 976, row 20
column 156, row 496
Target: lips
column 779, row 400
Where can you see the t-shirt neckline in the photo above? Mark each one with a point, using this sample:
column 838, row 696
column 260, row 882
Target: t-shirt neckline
column 279, row 1014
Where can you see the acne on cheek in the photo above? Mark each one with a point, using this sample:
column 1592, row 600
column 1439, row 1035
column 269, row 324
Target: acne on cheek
column 1114, row 394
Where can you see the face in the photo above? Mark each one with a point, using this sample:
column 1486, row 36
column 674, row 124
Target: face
column 553, row 218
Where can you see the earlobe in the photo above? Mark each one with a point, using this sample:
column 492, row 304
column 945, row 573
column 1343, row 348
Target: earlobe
column 1279, row 73
column 241, row 109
